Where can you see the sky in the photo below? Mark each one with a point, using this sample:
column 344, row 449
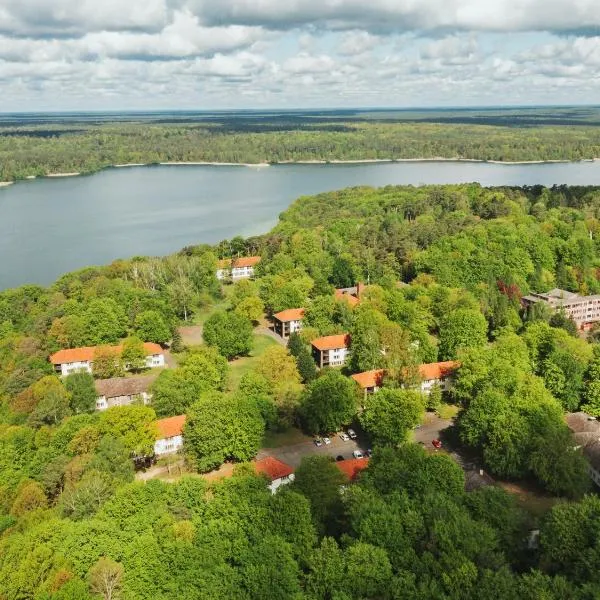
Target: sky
column 229, row 54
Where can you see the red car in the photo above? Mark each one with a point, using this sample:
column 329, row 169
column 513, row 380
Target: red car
column 437, row 444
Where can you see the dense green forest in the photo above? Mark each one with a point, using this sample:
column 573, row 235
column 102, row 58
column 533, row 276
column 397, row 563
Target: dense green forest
column 445, row 268
column 84, row 145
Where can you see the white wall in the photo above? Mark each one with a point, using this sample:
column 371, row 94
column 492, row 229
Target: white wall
column 277, row 483
column 156, row 360
column 168, row 445
column 74, row 367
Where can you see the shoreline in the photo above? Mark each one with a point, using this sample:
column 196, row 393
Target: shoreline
column 263, row 165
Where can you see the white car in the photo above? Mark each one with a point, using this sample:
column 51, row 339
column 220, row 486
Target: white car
column 344, row 437
column 352, row 434
column 357, row 454
column 326, row 441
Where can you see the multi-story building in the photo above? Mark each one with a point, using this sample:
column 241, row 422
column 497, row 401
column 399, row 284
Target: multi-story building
column 586, row 433
column 237, row 268
column 430, row 374
column 81, row 359
column 584, row 310
column 122, row 391
column 331, row 350
column 170, row 435
column 288, row 321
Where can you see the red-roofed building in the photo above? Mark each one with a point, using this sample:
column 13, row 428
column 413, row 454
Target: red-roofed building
column 440, row 373
column 237, row 268
column 351, row 295
column 331, row 350
column 278, row 472
column 369, row 381
column 352, row 467
column 81, row 359
column 431, row 374
column 170, row 435
column 288, row 321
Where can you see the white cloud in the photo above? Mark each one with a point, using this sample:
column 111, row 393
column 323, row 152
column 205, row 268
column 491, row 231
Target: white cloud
column 236, row 53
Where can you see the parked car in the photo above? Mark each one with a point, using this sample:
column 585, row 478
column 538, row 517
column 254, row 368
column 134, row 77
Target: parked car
column 339, row 457
column 437, row 444
column 327, row 441
column 344, row 437
column 369, row 453
column 357, row 454
column 352, row 434
column 318, row 442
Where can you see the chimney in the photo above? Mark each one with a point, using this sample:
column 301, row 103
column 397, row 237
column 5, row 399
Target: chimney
column 360, row 287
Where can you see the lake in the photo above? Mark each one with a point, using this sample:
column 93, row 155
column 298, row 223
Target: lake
column 53, row 225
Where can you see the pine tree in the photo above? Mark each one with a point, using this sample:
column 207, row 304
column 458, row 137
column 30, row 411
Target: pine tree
column 306, row 365
column 177, row 342
column 295, row 345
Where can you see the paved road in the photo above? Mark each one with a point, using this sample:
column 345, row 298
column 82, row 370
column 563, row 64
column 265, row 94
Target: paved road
column 292, row 455
column 430, row 430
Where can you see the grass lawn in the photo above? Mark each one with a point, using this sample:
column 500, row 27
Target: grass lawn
column 534, row 501
column 202, row 315
column 241, row 366
column 447, row 411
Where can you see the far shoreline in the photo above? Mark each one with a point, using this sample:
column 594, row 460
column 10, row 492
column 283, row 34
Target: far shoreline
column 262, row 165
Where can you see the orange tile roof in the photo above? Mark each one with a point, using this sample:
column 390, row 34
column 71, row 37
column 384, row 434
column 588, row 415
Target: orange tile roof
column 170, row 427
column 272, row 468
column 291, row 314
column 369, row 379
column 351, row 299
column 87, row 353
column 331, row 342
column 438, row 370
column 352, row 467
column 243, row 261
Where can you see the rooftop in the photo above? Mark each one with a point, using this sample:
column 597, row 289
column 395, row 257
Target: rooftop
column 124, row 386
column 170, row 427
column 242, row 261
column 87, row 353
column 438, row 370
column 332, row 342
column 369, row 379
column 291, row 314
column 272, row 468
column 352, row 467
column 347, row 295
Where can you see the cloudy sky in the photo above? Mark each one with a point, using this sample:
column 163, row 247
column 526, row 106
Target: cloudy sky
column 211, row 54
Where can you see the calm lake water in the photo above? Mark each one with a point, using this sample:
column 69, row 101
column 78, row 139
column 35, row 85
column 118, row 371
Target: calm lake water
column 51, row 226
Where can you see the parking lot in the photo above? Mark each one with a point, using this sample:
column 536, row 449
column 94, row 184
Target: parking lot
column 292, row 455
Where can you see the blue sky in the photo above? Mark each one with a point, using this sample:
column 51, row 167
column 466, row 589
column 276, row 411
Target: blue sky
column 217, row 54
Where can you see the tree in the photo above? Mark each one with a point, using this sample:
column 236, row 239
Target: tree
column 84, row 498
column 151, row 327
column 52, row 408
column 30, row 496
column 390, row 414
column 230, row 333
column 328, row 403
column 105, row 578
column 177, row 342
column 107, row 363
column 251, row 308
column 222, row 427
column 134, row 425
column 306, row 366
column 113, row 457
column 278, row 367
column 318, row 479
column 304, row 360
column 366, row 339
column 105, row 321
column 591, row 391
column 176, row 389
column 83, row 392
column 133, row 354
column 462, row 328
column 342, row 273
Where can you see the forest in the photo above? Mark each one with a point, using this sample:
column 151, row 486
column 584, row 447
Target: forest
column 445, row 268
column 37, row 146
